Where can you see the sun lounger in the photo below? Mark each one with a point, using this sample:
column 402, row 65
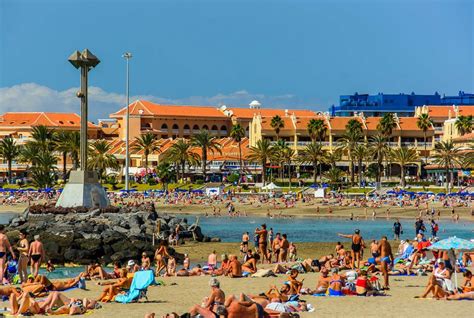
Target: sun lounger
column 141, row 281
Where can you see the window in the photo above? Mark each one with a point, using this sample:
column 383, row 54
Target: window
column 164, row 127
column 71, row 122
column 205, row 127
column 195, row 128
column 61, row 122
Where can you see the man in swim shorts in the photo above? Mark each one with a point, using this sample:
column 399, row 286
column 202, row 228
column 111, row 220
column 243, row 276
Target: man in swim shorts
column 36, row 255
column 4, row 247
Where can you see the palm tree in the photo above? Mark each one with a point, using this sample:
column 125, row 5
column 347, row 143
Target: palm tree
column 333, row 156
column 262, row 153
column 464, row 124
column 9, row 151
column 206, row 142
column 42, row 137
column 317, row 129
column 379, row 149
column 182, row 153
column 100, row 159
column 361, row 153
column 288, row 155
column 277, row 123
column 424, row 123
column 334, row 176
column 446, row 155
column 386, row 124
column 62, row 145
column 403, row 156
column 165, row 173
column 43, row 170
column 313, row 154
column 349, row 141
column 278, row 156
column 238, row 133
column 148, row 144
column 354, row 125
column 385, row 127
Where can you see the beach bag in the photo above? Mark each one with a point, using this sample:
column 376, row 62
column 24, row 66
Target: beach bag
column 82, row 283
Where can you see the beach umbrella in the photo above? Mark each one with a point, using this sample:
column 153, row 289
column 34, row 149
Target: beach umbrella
column 440, row 194
column 421, row 193
column 453, row 244
column 430, row 193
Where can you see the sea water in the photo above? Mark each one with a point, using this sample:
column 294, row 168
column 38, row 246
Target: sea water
column 322, row 229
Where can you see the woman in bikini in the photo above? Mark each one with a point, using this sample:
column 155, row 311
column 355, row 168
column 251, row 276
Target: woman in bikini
column 113, row 289
column 23, row 248
column 160, row 257
column 251, row 264
column 336, row 283
column 58, row 304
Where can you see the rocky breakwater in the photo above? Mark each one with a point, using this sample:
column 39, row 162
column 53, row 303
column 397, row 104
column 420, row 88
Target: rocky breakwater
column 82, row 236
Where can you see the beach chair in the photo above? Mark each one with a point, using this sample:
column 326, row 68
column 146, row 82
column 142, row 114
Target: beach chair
column 138, row 289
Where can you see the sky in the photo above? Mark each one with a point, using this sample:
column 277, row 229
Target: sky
column 284, row 53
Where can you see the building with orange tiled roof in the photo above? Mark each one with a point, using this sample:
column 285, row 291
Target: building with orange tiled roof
column 171, row 120
column 183, row 121
column 19, row 126
column 444, row 117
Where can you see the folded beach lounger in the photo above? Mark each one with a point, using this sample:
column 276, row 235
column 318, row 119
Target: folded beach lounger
column 141, row 281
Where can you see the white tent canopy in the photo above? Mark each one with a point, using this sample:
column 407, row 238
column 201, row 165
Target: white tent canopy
column 271, row 186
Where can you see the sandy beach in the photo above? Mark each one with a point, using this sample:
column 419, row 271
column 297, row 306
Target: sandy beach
column 182, row 292
column 301, row 210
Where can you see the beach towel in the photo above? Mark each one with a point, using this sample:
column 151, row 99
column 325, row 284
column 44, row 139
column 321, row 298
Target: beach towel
column 264, row 273
column 141, row 281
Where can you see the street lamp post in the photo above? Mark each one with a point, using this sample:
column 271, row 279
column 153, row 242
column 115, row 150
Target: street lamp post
column 83, row 188
column 127, row 56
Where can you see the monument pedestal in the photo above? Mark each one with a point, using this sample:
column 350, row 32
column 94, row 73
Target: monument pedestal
column 83, row 189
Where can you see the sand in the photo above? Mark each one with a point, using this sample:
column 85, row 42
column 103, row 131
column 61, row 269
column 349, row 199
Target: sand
column 190, row 290
column 180, row 293
column 301, row 210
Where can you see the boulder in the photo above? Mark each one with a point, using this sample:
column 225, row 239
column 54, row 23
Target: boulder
column 81, row 236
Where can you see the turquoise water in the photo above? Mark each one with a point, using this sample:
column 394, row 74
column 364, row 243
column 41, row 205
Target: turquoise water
column 321, row 229
column 7, row 216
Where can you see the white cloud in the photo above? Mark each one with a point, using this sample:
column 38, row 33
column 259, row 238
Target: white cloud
column 35, row 97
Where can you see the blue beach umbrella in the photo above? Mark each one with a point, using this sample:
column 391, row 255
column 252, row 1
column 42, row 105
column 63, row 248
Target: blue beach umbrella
column 453, row 244
column 441, row 194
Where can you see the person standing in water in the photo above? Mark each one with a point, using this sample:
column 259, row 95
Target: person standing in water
column 4, row 247
column 357, row 246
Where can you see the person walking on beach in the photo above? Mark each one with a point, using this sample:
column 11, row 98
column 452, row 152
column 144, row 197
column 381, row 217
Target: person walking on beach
column 386, row 257
column 36, row 255
column 397, row 230
column 4, row 247
column 357, row 246
column 262, row 242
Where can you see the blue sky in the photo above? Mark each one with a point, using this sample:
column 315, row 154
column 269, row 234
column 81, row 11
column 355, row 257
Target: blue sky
column 286, row 53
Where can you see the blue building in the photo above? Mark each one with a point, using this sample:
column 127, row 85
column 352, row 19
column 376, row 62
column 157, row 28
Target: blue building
column 380, row 104
column 461, row 99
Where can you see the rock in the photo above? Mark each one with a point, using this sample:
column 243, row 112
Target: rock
column 215, row 239
column 81, row 236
